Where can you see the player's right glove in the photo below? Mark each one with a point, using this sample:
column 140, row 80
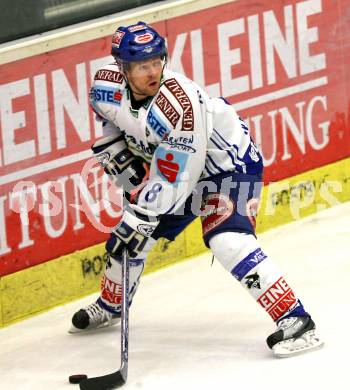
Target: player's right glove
column 132, row 232
column 119, row 163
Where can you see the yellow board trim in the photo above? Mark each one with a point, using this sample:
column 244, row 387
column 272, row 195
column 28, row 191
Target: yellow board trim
column 304, row 194
column 40, row 288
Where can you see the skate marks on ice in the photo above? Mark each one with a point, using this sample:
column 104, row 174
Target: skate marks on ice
column 192, row 325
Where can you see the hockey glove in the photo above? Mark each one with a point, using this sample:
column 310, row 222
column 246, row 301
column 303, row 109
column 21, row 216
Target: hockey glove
column 119, row 163
column 132, row 232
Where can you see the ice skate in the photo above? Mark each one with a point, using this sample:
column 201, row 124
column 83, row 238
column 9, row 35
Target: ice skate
column 294, row 335
column 92, row 317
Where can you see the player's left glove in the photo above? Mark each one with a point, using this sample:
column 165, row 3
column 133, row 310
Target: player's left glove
column 132, row 232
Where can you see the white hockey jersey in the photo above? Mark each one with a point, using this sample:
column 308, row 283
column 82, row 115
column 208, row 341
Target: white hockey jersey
column 184, row 134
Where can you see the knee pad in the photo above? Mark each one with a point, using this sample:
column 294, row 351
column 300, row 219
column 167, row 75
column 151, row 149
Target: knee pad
column 231, row 247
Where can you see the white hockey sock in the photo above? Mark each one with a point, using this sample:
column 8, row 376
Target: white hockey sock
column 241, row 255
column 111, row 288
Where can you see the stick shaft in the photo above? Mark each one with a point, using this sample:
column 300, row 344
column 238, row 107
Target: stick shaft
column 125, row 315
column 118, row 378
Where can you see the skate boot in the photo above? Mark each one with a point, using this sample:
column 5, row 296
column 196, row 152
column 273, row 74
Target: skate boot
column 294, row 335
column 92, row 317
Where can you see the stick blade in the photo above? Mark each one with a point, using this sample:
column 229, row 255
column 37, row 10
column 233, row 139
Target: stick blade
column 105, row 382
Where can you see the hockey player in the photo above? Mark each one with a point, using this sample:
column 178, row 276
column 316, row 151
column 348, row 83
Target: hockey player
column 202, row 161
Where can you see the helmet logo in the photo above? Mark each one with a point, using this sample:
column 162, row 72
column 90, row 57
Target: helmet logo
column 137, row 27
column 144, row 38
column 117, row 38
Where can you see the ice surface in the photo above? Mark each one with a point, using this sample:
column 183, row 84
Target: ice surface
column 193, row 326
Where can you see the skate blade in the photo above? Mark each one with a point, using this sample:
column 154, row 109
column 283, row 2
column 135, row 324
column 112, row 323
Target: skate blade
column 307, row 343
column 74, row 330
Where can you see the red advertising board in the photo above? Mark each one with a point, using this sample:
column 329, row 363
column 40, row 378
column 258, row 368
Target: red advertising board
column 283, row 65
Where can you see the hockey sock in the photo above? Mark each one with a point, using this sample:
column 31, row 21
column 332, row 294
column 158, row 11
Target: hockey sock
column 242, row 256
column 111, row 287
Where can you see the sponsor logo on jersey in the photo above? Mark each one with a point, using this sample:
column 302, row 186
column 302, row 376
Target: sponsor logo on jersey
column 117, row 38
column 179, row 143
column 118, row 95
column 109, row 75
column 185, row 102
column 144, row 38
column 106, row 95
column 278, row 299
column 216, row 209
column 167, row 109
column 156, row 124
column 170, row 164
column 253, row 281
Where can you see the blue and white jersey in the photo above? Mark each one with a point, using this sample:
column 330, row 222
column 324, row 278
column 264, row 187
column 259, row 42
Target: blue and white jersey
column 230, row 146
column 185, row 135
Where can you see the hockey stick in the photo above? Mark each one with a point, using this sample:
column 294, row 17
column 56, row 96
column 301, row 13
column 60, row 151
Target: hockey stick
column 118, row 378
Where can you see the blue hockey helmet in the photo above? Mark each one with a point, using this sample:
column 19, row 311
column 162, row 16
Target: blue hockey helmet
column 137, row 42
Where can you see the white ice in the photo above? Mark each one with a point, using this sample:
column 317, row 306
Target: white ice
column 193, row 326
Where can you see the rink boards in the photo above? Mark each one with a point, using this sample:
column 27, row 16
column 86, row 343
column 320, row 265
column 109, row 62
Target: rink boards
column 284, row 67
column 69, row 277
